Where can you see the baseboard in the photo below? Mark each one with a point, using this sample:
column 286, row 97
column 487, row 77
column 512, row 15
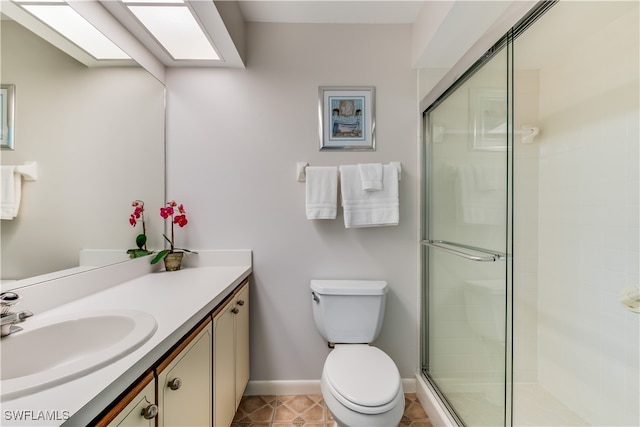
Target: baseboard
column 300, row 387
column 282, row 388
column 409, row 385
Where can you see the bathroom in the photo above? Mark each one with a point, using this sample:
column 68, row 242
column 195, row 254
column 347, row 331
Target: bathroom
column 233, row 138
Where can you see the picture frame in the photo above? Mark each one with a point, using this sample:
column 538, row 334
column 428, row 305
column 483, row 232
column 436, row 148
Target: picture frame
column 347, row 119
column 7, row 116
column 488, row 115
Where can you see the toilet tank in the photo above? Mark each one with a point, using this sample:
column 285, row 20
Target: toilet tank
column 348, row 311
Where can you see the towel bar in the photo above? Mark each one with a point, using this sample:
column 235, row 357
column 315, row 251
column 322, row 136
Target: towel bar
column 29, row 171
column 301, row 167
column 493, row 255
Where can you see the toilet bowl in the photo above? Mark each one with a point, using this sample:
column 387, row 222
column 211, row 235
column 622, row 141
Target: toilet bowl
column 360, row 383
column 361, row 387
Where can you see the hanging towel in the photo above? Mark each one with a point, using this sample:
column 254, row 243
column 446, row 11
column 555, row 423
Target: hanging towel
column 10, row 191
column 321, row 192
column 371, row 176
column 489, row 178
column 369, row 208
column 477, row 205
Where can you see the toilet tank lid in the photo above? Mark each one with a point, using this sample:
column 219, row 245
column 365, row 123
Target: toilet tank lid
column 349, row 287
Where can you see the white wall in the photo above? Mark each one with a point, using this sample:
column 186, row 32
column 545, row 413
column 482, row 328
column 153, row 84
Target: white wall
column 525, row 223
column 97, row 135
column 234, row 137
column 588, row 222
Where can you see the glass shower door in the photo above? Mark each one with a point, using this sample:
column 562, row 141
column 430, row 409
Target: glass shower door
column 465, row 246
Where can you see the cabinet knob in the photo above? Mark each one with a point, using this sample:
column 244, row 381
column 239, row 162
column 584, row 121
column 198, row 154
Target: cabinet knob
column 150, row 412
column 235, row 310
column 240, row 302
column 175, row 383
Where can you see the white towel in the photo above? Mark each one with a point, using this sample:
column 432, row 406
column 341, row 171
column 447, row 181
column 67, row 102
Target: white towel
column 10, row 191
column 369, row 208
column 371, row 176
column 475, row 204
column 490, row 178
column 322, row 192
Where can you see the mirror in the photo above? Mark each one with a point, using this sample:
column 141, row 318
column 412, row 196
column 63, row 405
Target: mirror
column 97, row 135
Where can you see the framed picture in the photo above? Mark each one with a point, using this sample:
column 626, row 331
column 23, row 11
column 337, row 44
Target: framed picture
column 7, row 115
column 488, row 119
column 347, row 118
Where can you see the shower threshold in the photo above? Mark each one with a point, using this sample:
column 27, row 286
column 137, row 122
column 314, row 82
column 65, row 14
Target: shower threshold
column 533, row 406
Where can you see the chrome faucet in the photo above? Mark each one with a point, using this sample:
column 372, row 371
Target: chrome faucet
column 9, row 319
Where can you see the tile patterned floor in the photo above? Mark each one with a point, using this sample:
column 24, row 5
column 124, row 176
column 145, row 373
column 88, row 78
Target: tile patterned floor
column 308, row 411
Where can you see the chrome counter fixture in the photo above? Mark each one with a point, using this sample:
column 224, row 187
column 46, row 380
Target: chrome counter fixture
column 9, row 319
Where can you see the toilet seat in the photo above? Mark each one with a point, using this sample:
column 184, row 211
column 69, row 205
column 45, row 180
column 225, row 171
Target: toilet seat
column 348, row 373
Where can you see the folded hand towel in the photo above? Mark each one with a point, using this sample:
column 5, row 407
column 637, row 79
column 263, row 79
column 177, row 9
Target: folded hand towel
column 322, row 192
column 371, row 176
column 10, row 183
column 369, row 208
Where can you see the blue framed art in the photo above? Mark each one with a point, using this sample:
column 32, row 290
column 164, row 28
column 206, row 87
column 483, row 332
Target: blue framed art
column 346, row 117
column 7, row 116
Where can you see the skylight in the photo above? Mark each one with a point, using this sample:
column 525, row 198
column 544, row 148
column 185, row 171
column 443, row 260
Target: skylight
column 174, row 27
column 70, row 24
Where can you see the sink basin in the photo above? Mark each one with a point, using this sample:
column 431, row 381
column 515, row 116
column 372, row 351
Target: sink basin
column 51, row 351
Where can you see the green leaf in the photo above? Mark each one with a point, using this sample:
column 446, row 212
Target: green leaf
column 141, row 239
column 161, row 255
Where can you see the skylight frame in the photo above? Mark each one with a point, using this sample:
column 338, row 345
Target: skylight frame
column 86, row 37
column 175, row 51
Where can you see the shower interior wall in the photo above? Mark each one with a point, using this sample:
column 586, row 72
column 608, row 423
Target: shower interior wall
column 576, row 212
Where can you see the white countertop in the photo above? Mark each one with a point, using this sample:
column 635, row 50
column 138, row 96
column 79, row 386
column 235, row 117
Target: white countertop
column 178, row 301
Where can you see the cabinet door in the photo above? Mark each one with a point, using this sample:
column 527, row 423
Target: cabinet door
column 185, row 383
column 242, row 342
column 224, row 366
column 140, row 409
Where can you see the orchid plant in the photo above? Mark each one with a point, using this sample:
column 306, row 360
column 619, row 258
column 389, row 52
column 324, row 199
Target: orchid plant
column 177, row 215
column 141, row 239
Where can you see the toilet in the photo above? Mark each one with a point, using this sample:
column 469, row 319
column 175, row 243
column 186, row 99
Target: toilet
column 360, row 383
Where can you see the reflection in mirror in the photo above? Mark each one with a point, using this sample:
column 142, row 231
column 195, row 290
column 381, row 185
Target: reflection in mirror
column 98, row 137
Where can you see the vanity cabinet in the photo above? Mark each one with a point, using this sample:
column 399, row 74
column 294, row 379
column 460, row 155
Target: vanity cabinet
column 197, row 383
column 242, row 342
column 231, row 355
column 136, row 409
column 184, row 381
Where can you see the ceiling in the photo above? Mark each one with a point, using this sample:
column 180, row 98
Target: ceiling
column 222, row 20
column 331, row 11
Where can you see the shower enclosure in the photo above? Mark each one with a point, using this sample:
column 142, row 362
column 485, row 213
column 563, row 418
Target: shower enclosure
column 531, row 230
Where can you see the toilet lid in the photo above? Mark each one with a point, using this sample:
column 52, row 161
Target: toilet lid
column 362, row 377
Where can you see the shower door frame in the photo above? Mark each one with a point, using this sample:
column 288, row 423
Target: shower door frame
column 505, row 42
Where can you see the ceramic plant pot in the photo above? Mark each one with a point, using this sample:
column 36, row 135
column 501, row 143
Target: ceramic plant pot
column 173, row 261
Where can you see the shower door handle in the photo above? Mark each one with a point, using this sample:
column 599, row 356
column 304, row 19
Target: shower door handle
column 438, row 244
